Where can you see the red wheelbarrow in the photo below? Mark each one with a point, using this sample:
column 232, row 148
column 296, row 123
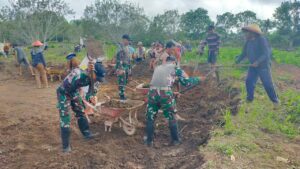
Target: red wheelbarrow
column 143, row 90
column 127, row 117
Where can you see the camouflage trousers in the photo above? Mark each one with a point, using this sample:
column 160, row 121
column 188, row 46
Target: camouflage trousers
column 122, row 82
column 160, row 99
column 65, row 103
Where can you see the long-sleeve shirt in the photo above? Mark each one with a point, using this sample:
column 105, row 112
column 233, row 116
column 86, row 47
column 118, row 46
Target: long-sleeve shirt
column 20, row 54
column 37, row 57
column 213, row 42
column 123, row 57
column 75, row 80
column 140, row 52
column 257, row 51
column 166, row 74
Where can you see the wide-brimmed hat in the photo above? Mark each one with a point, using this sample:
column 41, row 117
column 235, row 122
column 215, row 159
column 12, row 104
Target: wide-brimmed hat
column 140, row 43
column 253, row 28
column 37, row 43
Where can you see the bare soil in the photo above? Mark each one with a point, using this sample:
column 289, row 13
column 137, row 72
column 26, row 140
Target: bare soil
column 30, row 135
column 116, row 104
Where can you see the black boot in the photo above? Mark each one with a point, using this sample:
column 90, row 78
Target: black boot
column 83, row 125
column 123, row 98
column 150, row 133
column 65, row 138
column 174, row 132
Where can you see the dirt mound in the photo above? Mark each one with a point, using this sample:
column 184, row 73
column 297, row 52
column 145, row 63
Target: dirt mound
column 116, row 104
column 29, row 129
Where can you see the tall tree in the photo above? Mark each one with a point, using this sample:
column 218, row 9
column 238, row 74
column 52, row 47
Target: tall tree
column 287, row 18
column 266, row 25
column 246, row 18
column 195, row 22
column 113, row 18
column 165, row 25
column 37, row 19
column 227, row 21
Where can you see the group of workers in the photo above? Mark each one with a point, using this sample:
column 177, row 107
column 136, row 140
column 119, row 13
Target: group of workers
column 165, row 64
column 37, row 67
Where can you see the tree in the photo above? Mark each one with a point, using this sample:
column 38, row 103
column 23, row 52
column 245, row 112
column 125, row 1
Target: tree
column 195, row 22
column 112, row 18
column 164, row 26
column 287, row 18
column 266, row 25
column 227, row 21
column 245, row 18
column 36, row 19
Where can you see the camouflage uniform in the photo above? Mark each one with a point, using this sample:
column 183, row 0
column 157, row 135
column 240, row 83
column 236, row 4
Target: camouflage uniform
column 159, row 98
column 68, row 97
column 122, row 68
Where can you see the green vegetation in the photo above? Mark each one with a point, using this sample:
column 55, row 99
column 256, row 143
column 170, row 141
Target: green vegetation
column 228, row 54
column 286, row 57
column 243, row 134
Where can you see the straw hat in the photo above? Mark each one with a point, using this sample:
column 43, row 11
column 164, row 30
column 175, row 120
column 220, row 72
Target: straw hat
column 253, row 28
column 37, row 43
column 140, row 44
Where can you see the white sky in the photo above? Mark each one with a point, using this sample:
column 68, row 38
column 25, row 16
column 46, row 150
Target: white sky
column 263, row 8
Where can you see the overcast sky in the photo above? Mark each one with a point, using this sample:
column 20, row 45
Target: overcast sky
column 263, row 8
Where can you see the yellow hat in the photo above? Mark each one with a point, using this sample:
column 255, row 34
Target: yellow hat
column 253, row 28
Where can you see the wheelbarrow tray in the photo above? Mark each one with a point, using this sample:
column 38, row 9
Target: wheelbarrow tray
column 116, row 112
column 141, row 89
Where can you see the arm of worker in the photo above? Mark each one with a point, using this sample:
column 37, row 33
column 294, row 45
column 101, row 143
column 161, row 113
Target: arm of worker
column 264, row 52
column 86, row 80
column 184, row 79
column 241, row 57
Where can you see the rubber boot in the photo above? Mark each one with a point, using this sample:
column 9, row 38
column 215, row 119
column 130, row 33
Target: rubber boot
column 65, row 138
column 174, row 132
column 150, row 133
column 83, row 125
column 122, row 98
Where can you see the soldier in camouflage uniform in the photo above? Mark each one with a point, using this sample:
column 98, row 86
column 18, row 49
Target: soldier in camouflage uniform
column 161, row 96
column 68, row 97
column 123, row 65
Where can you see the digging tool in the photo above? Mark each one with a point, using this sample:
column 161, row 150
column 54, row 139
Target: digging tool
column 235, row 65
column 185, row 90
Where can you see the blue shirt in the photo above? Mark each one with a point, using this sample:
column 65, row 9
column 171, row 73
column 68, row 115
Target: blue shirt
column 37, row 57
column 257, row 51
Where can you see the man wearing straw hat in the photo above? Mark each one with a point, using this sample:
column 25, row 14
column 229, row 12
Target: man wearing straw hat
column 258, row 52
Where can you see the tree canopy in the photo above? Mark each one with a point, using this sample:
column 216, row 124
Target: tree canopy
column 28, row 20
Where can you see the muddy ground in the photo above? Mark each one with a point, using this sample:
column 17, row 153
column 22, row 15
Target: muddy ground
column 30, row 136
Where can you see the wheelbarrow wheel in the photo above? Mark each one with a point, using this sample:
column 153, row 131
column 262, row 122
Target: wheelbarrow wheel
column 129, row 129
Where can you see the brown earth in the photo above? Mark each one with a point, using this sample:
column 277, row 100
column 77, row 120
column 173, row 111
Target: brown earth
column 30, row 136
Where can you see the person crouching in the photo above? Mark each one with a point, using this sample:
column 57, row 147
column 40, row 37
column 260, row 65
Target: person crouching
column 68, row 96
